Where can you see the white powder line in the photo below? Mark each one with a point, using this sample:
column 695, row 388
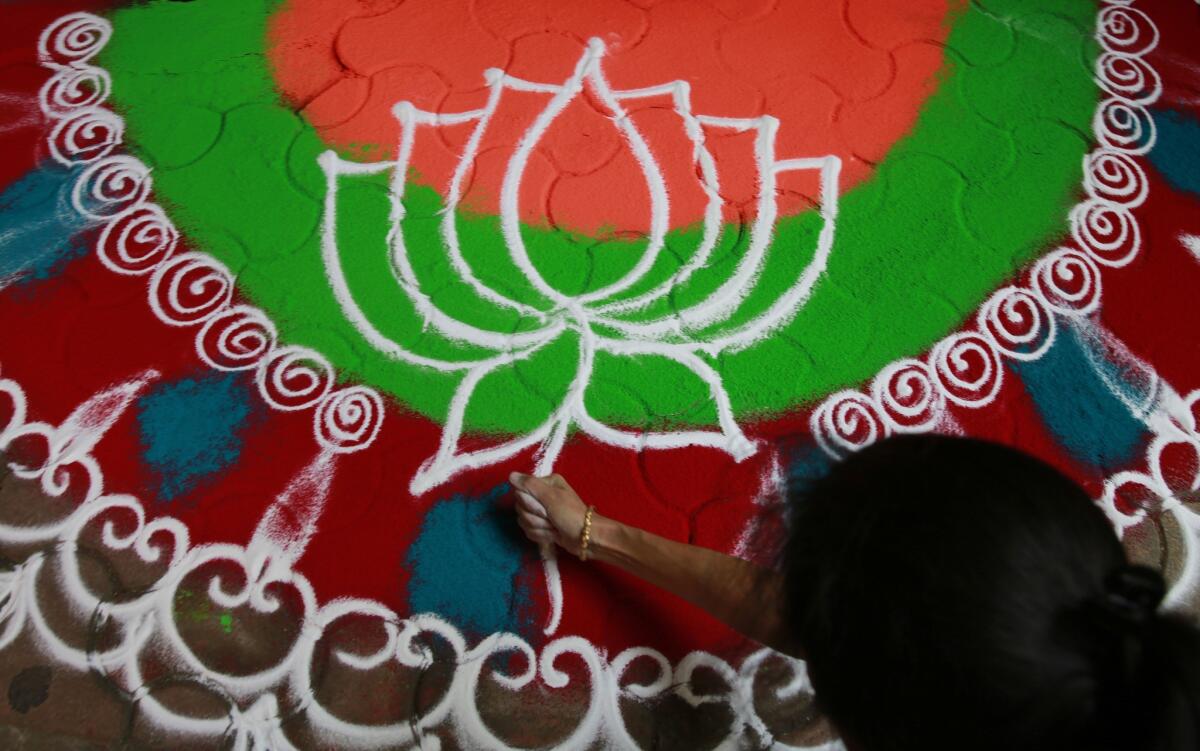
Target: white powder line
column 1192, row 243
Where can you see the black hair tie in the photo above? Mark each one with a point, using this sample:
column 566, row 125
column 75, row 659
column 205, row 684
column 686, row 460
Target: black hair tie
column 1131, row 597
column 1127, row 606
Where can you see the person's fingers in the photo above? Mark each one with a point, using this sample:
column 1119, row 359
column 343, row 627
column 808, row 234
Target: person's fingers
column 533, row 522
column 541, row 538
column 532, row 510
column 548, row 509
column 539, row 488
column 534, row 486
column 538, row 535
column 531, row 505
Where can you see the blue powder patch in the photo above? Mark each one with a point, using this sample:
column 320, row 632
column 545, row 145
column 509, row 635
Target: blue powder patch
column 39, row 228
column 192, row 429
column 1176, row 153
column 466, row 565
column 1075, row 387
column 806, row 464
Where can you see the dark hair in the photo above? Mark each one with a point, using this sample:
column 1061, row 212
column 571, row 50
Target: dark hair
column 954, row 593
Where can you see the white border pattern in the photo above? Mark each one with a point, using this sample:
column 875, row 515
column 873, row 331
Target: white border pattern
column 193, row 289
column 1019, row 322
column 145, row 625
column 1160, row 490
column 185, row 289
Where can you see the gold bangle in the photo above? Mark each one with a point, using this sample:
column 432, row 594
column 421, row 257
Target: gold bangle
column 586, row 535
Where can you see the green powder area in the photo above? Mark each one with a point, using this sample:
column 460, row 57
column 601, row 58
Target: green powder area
column 980, row 185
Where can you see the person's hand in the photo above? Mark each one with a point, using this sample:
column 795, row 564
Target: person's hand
column 549, row 511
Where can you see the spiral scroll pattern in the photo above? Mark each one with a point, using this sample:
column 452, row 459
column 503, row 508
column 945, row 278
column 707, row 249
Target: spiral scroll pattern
column 907, row 396
column 1124, row 126
column 189, row 289
column 137, row 238
column 1067, row 281
column 236, row 338
column 846, row 422
column 967, row 366
column 1126, row 30
column 73, row 88
column 137, row 241
column 74, row 38
column 1128, row 77
column 292, row 378
column 1107, row 233
column 85, row 135
column 348, row 419
column 121, row 524
column 1115, row 177
column 109, row 186
column 1018, row 323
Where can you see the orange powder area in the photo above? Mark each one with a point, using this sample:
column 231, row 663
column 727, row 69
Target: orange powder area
column 839, row 77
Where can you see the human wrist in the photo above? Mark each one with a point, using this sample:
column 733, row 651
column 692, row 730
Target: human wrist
column 607, row 539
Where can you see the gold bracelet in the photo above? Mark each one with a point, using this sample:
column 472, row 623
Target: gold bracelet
column 586, row 535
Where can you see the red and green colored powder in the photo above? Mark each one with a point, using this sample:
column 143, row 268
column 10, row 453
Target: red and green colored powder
column 977, row 182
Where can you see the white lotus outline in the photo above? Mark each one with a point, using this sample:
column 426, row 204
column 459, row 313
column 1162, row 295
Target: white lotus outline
column 664, row 336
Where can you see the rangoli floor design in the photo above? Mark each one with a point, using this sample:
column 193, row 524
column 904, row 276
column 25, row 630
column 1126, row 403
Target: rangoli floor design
column 282, row 402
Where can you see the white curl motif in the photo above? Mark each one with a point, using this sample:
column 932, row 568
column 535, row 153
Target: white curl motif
column 846, row 422
column 348, row 419
column 1107, row 232
column 85, row 135
column 907, row 396
column 292, row 378
column 967, row 366
column 1018, row 323
column 72, row 39
column 236, row 338
column 109, row 186
column 137, row 240
column 1128, row 77
column 1165, row 490
column 73, row 88
column 1124, row 126
column 189, row 289
column 1116, row 178
column 1067, row 281
column 147, row 624
column 1126, row 30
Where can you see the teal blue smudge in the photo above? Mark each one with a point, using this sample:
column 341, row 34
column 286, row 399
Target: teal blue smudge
column 1176, row 153
column 805, row 465
column 39, row 228
column 466, row 565
column 192, row 429
column 1083, row 397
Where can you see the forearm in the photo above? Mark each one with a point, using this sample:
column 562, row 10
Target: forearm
column 746, row 597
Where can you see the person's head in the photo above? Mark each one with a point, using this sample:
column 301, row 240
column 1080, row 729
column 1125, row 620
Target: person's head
column 954, row 593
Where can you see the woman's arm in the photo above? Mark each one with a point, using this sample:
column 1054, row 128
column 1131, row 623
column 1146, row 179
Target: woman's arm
column 746, row 597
